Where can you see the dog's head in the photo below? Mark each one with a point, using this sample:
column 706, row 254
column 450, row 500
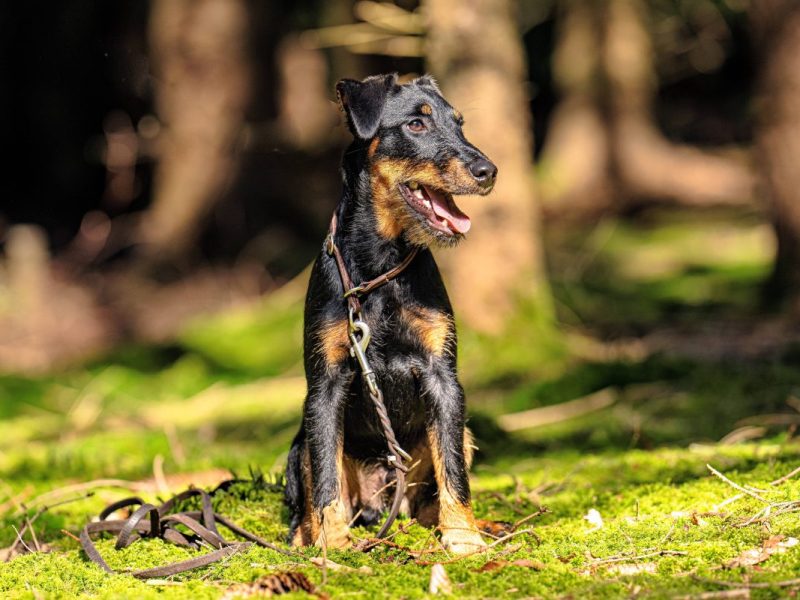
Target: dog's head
column 417, row 155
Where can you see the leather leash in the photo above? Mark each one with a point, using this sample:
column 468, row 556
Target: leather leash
column 359, row 339
column 161, row 521
column 352, row 292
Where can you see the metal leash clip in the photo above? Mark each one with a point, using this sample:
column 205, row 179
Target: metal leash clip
column 360, row 336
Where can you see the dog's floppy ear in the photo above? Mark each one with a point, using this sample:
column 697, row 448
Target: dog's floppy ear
column 363, row 101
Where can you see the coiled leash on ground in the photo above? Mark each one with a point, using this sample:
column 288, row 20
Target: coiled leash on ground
column 359, row 334
column 161, row 521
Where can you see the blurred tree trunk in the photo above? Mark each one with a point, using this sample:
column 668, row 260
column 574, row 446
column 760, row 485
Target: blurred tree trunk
column 604, row 65
column 647, row 164
column 475, row 51
column 575, row 160
column 777, row 27
column 202, row 86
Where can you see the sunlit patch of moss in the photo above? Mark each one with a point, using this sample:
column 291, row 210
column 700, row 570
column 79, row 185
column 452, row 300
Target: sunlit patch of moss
column 676, row 266
column 263, row 339
column 649, row 501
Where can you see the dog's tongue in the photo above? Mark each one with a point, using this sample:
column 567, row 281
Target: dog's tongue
column 445, row 208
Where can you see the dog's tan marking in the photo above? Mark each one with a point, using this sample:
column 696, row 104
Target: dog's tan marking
column 433, row 328
column 333, row 341
column 335, row 532
column 426, row 109
column 459, row 117
column 457, row 523
column 390, row 214
column 469, row 447
column 308, row 530
column 373, row 147
column 330, row 528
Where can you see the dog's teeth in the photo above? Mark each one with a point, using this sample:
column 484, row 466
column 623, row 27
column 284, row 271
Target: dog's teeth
column 418, row 194
column 427, row 204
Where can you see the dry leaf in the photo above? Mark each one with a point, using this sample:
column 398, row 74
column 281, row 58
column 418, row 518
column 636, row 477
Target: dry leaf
column 565, row 559
column 698, row 520
column 776, row 544
column 270, row 585
column 494, row 565
column 529, row 564
column 440, row 582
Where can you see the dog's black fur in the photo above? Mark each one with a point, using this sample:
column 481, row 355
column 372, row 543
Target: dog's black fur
column 340, row 444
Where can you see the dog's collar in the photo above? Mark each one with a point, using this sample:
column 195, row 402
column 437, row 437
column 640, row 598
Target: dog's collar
column 353, row 292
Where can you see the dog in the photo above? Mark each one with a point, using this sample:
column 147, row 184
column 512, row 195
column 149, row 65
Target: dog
column 408, row 158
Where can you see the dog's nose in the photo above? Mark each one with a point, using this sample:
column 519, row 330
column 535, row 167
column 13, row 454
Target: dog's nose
column 483, row 170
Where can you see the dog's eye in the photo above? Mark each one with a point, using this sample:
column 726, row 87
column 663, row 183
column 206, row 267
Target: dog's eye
column 416, row 125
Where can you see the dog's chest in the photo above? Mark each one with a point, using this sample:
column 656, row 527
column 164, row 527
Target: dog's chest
column 397, row 347
column 396, row 359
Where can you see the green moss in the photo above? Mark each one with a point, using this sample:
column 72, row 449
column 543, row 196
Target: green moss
column 211, row 402
column 264, row 339
column 649, row 502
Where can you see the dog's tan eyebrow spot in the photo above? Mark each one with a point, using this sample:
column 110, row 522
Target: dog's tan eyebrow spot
column 426, row 109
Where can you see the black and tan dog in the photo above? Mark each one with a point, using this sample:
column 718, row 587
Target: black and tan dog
column 407, row 161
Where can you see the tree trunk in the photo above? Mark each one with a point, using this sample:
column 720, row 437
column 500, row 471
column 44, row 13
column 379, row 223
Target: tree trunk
column 647, row 164
column 475, row 51
column 198, row 50
column 575, row 159
column 777, row 28
column 604, row 149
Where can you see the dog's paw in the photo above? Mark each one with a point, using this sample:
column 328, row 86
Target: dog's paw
column 462, row 540
column 335, row 532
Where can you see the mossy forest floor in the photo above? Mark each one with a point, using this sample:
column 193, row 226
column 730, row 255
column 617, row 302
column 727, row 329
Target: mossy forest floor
column 633, row 509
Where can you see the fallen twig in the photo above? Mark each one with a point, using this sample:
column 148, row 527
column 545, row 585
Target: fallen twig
column 748, row 584
column 728, row 501
column 370, row 543
column 736, row 485
column 72, row 535
column 542, row 510
column 786, row 477
column 771, row 511
column 88, row 485
column 19, row 540
column 622, row 558
column 736, row 593
column 33, row 535
column 475, row 552
column 547, row 415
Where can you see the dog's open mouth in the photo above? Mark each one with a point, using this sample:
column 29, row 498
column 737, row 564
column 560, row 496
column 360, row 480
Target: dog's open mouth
column 437, row 207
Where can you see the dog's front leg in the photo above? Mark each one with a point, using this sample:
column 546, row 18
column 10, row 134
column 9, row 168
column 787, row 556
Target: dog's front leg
column 323, row 424
column 446, row 437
